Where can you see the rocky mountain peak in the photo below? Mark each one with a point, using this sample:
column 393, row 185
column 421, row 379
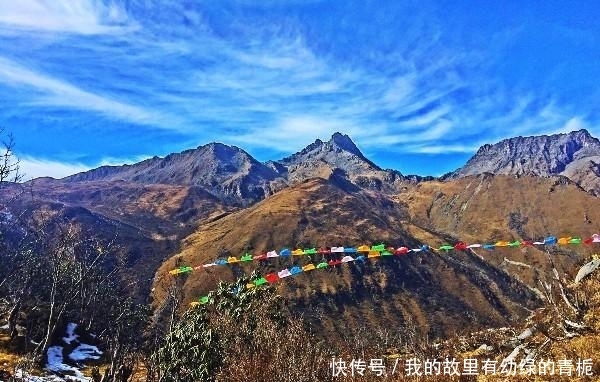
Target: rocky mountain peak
column 220, row 150
column 340, row 145
column 583, row 134
column 227, row 172
column 340, row 159
column 223, row 158
column 344, row 142
column 569, row 154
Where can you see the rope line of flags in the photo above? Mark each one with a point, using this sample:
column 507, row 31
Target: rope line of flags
column 380, row 250
column 360, row 254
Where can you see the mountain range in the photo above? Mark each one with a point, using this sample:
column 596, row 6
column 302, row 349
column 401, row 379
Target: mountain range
column 217, row 200
column 235, row 177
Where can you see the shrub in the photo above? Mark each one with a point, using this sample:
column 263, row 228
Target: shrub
column 240, row 335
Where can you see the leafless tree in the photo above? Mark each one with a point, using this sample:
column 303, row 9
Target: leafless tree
column 53, row 271
column 9, row 163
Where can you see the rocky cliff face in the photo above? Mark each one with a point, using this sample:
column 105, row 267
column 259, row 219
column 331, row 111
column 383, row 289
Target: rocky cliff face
column 575, row 155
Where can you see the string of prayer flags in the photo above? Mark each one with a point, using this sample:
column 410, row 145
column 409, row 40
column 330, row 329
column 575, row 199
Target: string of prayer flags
column 379, row 250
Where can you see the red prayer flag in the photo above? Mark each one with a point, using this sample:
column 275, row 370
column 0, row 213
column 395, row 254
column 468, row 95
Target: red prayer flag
column 460, row 245
column 401, row 251
column 271, row 278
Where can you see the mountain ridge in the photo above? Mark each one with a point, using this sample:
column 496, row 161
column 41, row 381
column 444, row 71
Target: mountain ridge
column 234, row 176
column 225, row 171
column 575, row 155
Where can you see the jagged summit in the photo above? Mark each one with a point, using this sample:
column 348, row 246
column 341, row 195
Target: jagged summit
column 338, row 158
column 339, row 143
column 575, row 155
column 344, row 142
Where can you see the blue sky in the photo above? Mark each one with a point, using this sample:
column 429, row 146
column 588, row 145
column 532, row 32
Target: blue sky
column 419, row 86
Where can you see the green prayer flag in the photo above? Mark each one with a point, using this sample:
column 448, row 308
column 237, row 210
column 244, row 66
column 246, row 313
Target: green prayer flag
column 260, row 281
column 379, row 248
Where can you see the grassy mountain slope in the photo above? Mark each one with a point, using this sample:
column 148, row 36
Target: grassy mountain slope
column 436, row 294
column 487, row 208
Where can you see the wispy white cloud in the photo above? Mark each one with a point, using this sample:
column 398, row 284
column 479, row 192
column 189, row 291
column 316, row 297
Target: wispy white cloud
column 441, row 148
column 32, row 168
column 54, row 92
column 574, row 124
column 415, row 109
column 295, row 132
column 81, row 17
column 400, row 90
